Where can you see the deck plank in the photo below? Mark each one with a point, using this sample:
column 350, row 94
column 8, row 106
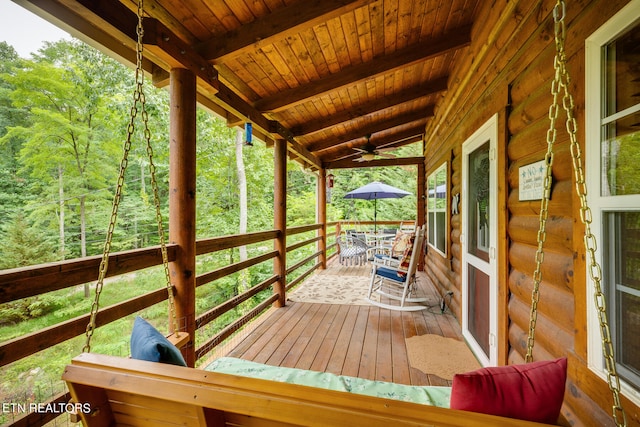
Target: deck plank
column 323, row 356
column 356, row 344
column 399, row 354
column 384, row 361
column 339, row 354
column 370, row 347
column 287, row 345
column 318, row 339
column 305, row 337
column 360, row 340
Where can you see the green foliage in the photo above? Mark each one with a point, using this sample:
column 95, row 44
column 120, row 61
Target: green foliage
column 23, row 245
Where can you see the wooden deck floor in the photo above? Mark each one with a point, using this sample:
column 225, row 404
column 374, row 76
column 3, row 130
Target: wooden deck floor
column 356, row 340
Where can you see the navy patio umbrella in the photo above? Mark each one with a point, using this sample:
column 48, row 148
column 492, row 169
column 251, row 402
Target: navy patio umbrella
column 374, row 191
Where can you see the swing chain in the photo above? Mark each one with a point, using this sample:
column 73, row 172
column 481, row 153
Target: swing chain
column 138, row 98
column 544, row 202
column 562, row 81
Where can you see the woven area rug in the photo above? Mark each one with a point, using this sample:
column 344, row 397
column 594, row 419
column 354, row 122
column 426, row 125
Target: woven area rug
column 332, row 289
column 443, row 357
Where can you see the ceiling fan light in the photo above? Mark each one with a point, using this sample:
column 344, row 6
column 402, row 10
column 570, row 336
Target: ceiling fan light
column 368, row 157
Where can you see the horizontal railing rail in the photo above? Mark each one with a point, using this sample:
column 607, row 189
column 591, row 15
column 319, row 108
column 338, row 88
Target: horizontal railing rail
column 24, row 282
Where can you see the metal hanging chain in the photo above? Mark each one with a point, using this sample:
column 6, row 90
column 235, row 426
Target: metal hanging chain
column 138, row 99
column 561, row 83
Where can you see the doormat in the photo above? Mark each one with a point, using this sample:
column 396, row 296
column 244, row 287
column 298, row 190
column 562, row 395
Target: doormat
column 332, row 289
column 440, row 356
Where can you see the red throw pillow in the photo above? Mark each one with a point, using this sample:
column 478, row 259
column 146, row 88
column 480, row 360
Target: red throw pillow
column 531, row 391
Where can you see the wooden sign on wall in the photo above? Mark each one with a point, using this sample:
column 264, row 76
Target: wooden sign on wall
column 531, row 182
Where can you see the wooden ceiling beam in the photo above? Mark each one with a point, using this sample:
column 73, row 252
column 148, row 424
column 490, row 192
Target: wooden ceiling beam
column 413, row 54
column 158, row 40
column 350, row 164
column 384, row 125
column 408, row 95
column 278, row 25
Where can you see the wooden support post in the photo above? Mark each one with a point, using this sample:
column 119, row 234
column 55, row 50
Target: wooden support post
column 420, row 204
column 280, row 218
column 182, row 200
column 321, row 215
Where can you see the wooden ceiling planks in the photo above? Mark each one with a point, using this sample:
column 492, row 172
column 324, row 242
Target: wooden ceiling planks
column 320, row 73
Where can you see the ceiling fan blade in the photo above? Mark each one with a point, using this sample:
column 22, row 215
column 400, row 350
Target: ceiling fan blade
column 382, row 150
column 388, row 156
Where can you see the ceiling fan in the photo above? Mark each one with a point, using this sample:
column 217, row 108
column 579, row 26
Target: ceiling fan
column 369, row 152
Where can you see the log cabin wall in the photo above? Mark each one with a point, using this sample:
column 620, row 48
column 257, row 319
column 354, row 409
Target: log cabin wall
column 508, row 70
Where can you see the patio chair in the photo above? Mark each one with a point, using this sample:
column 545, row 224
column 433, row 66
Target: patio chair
column 352, row 253
column 397, row 281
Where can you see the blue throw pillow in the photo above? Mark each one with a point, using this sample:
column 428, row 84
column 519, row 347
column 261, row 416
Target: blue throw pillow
column 149, row 344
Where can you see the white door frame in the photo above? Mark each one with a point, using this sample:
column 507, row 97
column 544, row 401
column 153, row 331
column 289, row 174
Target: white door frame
column 487, row 132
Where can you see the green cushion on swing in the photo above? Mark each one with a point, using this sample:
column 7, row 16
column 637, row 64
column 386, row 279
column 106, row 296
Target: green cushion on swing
column 149, row 344
column 531, row 391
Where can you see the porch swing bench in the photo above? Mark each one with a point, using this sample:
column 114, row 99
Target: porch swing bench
column 121, row 391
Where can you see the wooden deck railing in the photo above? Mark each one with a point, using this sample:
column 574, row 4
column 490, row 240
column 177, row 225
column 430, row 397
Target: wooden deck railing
column 36, row 280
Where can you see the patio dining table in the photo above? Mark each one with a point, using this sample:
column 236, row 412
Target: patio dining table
column 380, row 242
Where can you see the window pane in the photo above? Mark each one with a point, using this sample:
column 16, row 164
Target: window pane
column 441, row 227
column 628, row 345
column 622, row 279
column 432, row 226
column 621, row 59
column 478, row 216
column 431, row 185
column 620, row 159
column 621, row 116
column 437, row 208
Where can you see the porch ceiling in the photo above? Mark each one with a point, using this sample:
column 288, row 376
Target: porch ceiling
column 321, row 74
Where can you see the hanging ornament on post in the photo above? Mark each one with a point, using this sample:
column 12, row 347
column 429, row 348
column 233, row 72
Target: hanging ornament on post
column 329, row 187
column 248, row 133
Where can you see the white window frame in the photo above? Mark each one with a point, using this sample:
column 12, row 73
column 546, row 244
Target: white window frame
column 616, row 26
column 433, row 176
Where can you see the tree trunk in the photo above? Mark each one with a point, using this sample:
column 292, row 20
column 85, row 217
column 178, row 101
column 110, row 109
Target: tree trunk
column 242, row 191
column 61, row 203
column 83, row 239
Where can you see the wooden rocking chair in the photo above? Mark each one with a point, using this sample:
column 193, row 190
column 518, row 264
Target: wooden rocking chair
column 397, row 280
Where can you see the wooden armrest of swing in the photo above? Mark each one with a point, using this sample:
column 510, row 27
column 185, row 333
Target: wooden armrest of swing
column 179, row 339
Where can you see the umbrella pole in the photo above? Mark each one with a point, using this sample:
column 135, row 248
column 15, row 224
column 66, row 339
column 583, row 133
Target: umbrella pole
column 375, row 216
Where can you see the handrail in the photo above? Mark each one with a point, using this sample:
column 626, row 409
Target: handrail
column 303, row 229
column 303, row 262
column 233, row 268
column 303, row 243
column 216, row 244
column 24, row 282
column 26, row 345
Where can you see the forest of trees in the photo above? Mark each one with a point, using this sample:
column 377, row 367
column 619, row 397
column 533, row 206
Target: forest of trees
column 63, row 121
column 64, row 114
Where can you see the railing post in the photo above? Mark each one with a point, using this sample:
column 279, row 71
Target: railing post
column 420, row 204
column 280, row 218
column 182, row 200
column 321, row 215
